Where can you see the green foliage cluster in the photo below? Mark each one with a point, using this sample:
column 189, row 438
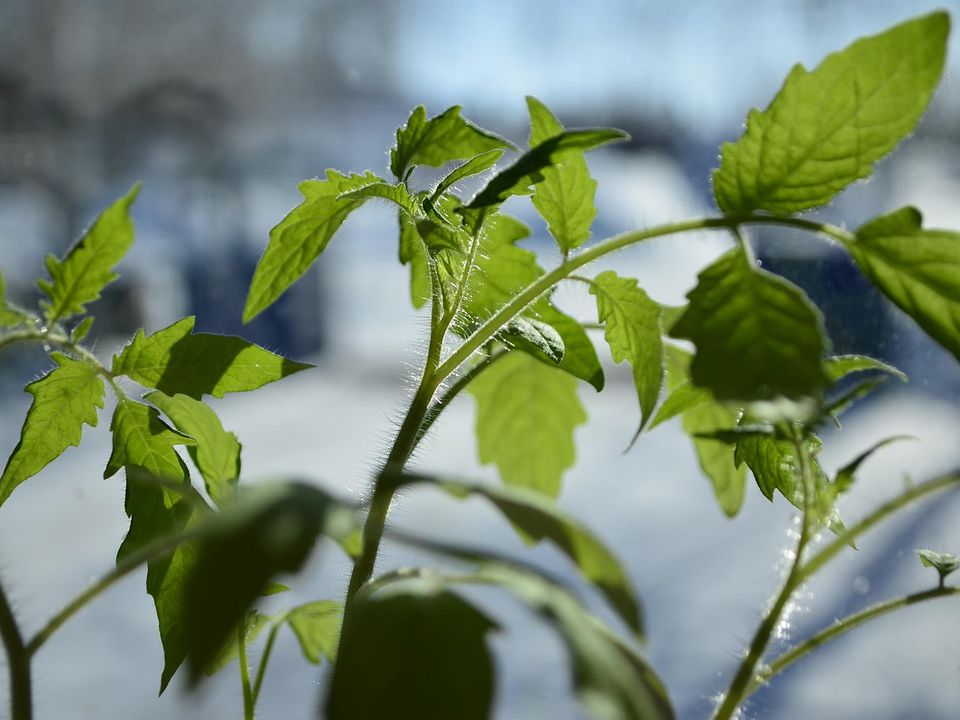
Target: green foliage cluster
column 745, row 364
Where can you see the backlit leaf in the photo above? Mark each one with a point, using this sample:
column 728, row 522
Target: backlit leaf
column 827, row 127
column 439, row 140
column 564, row 197
column 757, row 335
column 481, row 162
column 63, row 400
column 917, row 269
column 539, row 336
column 839, row 366
column 412, row 649
column 683, row 397
column 413, row 253
column 216, row 452
column 317, row 627
column 176, row 360
column 631, row 324
column 9, row 316
column 943, row 563
column 526, row 415
column 298, row 239
column 88, row 265
column 845, row 475
column 396, row 194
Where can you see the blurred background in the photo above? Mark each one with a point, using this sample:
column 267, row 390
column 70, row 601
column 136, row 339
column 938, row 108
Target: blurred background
column 221, row 108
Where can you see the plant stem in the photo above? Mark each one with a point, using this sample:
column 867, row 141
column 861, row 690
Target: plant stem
column 744, row 676
column 842, row 626
column 18, row 660
column 248, row 702
column 156, row 549
column 264, row 659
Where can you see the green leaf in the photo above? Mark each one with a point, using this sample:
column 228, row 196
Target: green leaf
column 564, row 197
column 683, row 397
column 631, row 324
column 826, row 128
column 539, row 337
column 611, row 680
column 579, row 355
column 917, row 269
column 216, row 452
column 176, row 360
column 474, row 166
column 317, row 627
column 845, row 475
column 81, row 329
column 537, row 519
column 526, row 171
column 10, row 316
column 298, row 239
column 144, row 445
column 413, row 649
column 414, row 254
column 63, row 400
column 757, row 335
column 526, row 415
column 270, row 529
column 944, row 563
column 839, row 366
column 396, row 194
column 88, row 265
column 439, row 140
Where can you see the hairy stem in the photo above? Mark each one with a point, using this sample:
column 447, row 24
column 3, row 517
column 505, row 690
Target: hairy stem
column 843, row 626
column 248, row 702
column 18, row 660
column 744, row 676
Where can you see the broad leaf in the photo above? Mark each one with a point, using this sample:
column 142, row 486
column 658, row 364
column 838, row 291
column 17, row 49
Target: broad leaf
column 757, row 335
column 63, row 400
column 216, row 452
column 564, row 197
column 412, row 649
column 526, row 171
column 579, row 355
column 631, row 324
column 827, row 127
column 144, row 445
column 176, row 360
column 535, row 336
column 839, row 366
column 317, row 627
column 537, row 518
column 474, row 166
column 918, row 269
column 526, row 415
column 270, row 529
column 88, row 266
column 301, row 236
column 439, row 140
column 683, row 397
column 396, row 194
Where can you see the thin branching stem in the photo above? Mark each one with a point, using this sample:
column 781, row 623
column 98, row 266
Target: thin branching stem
column 248, row 701
column 264, row 659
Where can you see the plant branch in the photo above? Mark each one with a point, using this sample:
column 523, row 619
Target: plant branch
column 18, row 660
column 843, row 626
column 248, row 703
column 744, row 676
column 264, row 659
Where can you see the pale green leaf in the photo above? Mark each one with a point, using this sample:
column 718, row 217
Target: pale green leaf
column 917, row 269
column 683, row 397
column 564, row 197
column 63, row 400
column 10, row 316
column 757, row 335
column 439, row 140
column 827, row 127
column 943, row 563
column 176, row 360
column 412, row 649
column 845, row 475
column 88, row 265
column 526, row 415
column 298, row 239
column 539, row 336
column 81, row 329
column 216, row 452
column 579, row 355
column 413, row 253
column 317, row 627
column 839, row 366
column 396, row 194
column 631, row 323
column 474, row 166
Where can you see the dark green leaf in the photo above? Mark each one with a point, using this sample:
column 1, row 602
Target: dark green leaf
column 412, row 650
column 845, row 475
column 63, row 400
column 144, row 445
column 944, row 563
column 476, row 165
column 526, row 415
column 270, row 529
column 439, row 140
column 301, row 236
column 317, row 627
column 838, row 367
column 216, row 452
column 918, row 269
column 539, row 336
column 526, row 171
column 254, row 623
column 579, row 355
column 564, row 197
column 176, row 360
column 631, row 324
column 88, row 265
column 826, row 128
column 757, row 335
